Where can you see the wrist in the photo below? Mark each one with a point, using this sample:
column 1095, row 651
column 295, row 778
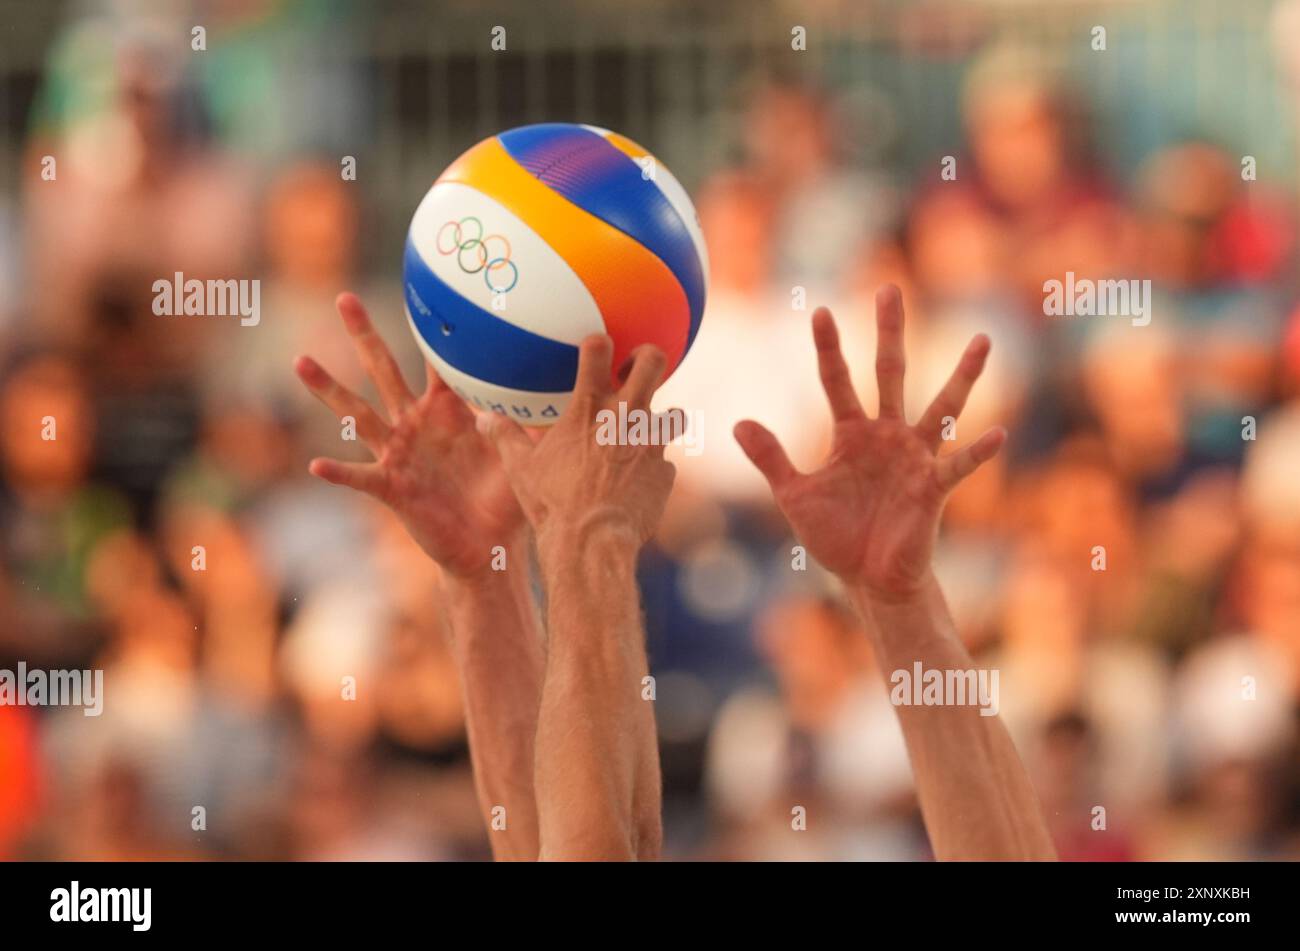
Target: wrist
column 911, row 592
column 487, row 581
column 487, row 608
column 905, row 624
column 588, row 570
column 489, row 562
column 506, row 566
column 602, row 536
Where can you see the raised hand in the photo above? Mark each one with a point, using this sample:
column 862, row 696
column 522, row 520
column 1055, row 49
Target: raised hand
column 571, row 481
column 445, row 482
column 432, row 468
column 592, row 503
column 871, row 512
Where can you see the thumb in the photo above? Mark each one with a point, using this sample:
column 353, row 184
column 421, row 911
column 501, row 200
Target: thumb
column 511, row 442
column 765, row 453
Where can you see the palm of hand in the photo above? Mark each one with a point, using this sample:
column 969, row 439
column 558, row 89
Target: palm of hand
column 446, row 483
column 871, row 513
column 432, row 468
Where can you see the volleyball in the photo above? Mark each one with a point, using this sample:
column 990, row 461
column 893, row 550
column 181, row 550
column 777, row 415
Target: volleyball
column 536, row 238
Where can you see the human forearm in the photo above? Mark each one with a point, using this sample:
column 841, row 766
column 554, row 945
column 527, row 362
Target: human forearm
column 497, row 645
column 444, row 481
column 870, row 514
column 974, row 792
column 597, row 768
column 592, row 503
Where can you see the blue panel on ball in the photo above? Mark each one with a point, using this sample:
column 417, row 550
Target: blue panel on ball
column 479, row 343
column 587, row 169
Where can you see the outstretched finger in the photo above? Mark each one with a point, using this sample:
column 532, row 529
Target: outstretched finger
column 344, row 403
column 367, row 477
column 950, row 470
column 833, row 370
column 890, row 358
column 595, row 362
column 649, row 364
column 952, row 398
column 765, row 452
column 374, row 353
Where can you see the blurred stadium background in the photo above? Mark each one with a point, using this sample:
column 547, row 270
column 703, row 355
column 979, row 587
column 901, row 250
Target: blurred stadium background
column 817, row 170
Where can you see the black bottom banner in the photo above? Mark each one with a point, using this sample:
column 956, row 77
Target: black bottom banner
column 90, row 901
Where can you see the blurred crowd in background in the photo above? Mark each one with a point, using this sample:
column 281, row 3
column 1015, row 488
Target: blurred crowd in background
column 1164, row 689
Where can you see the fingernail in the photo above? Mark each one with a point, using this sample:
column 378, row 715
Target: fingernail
column 483, row 423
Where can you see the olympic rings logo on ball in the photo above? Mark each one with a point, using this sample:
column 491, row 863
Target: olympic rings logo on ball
column 481, row 258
